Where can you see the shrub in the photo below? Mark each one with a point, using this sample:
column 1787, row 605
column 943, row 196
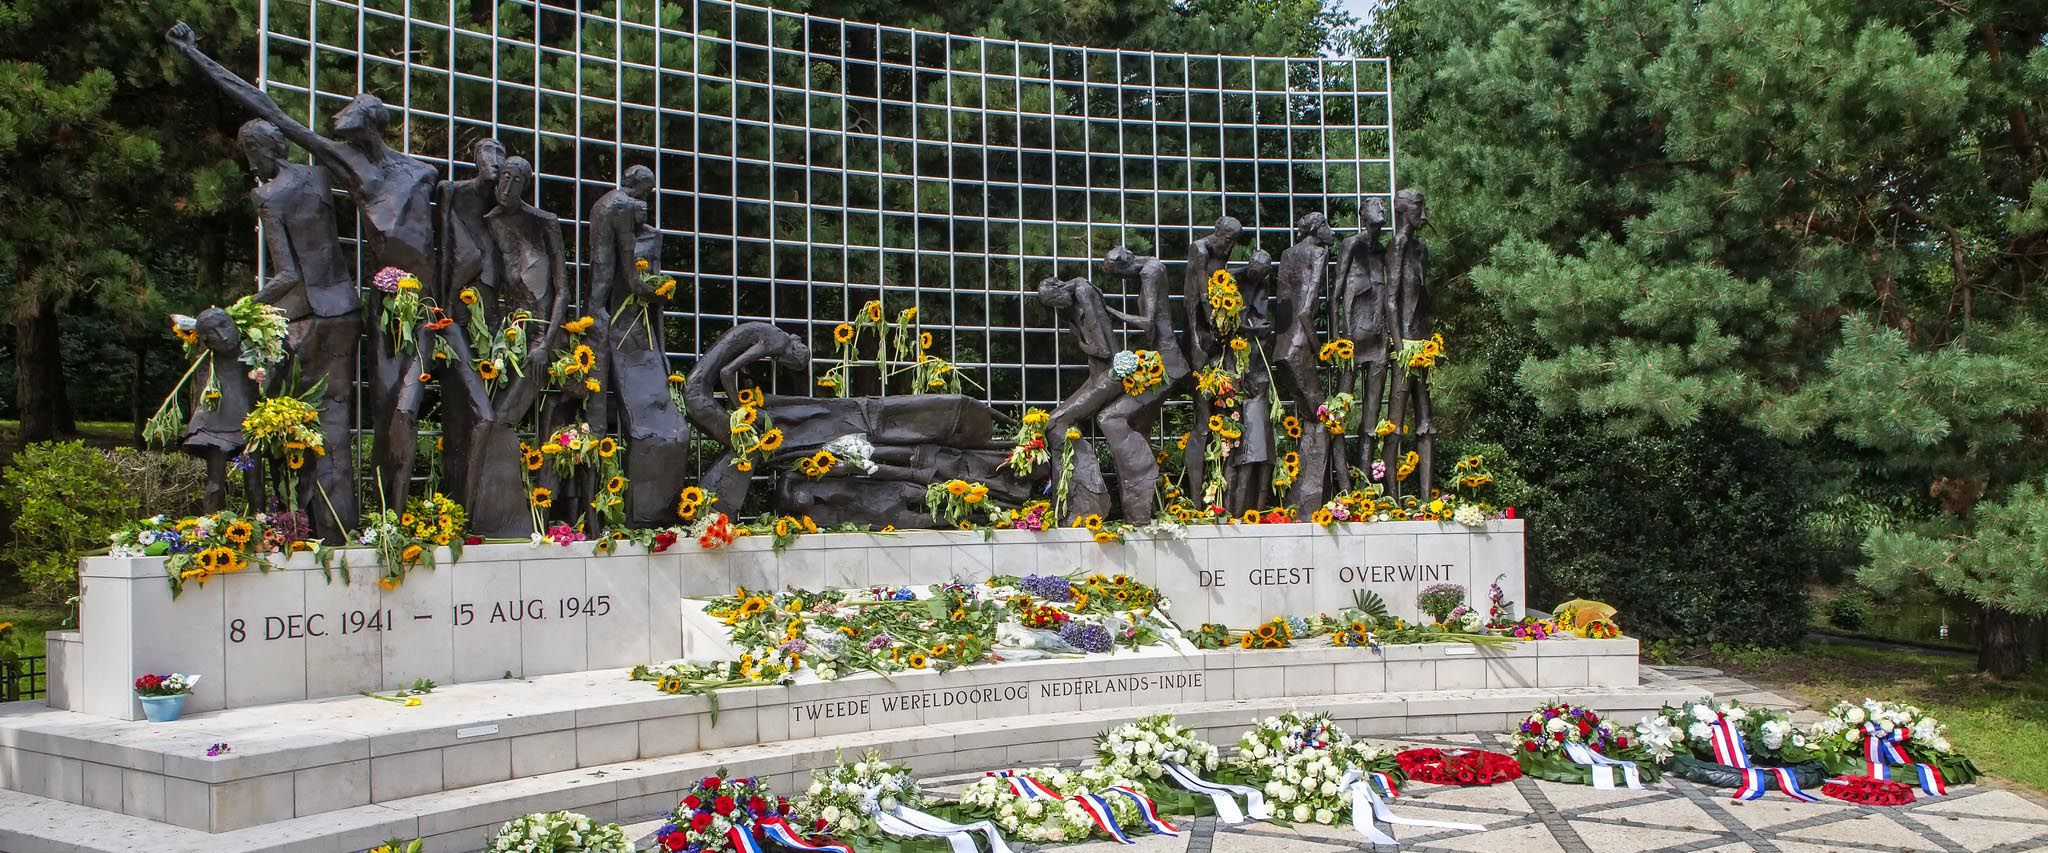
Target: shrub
column 1849, row 611
column 1694, row 532
column 167, row 482
column 65, row 499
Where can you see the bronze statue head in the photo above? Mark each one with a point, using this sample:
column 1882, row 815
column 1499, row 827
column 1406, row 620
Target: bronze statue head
column 1228, row 229
column 1375, row 214
column 1314, row 226
column 637, row 182
column 1055, row 294
column 1409, row 212
column 1120, row 261
column 513, row 179
column 263, row 146
column 364, row 119
column 217, row 330
column 796, row 356
column 489, row 156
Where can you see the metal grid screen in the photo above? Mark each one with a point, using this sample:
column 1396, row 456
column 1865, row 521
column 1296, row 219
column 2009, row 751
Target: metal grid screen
column 806, row 165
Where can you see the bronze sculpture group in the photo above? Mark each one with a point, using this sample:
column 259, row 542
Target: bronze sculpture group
column 474, row 295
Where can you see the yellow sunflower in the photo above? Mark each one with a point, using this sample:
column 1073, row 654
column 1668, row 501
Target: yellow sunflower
column 842, row 333
column 924, row 341
column 751, row 397
column 239, row 531
column 607, row 446
column 487, row 370
column 534, row 459
column 542, row 497
column 585, row 358
column 615, row 485
column 770, row 441
column 956, row 488
column 1239, row 344
column 1092, row 521
column 694, row 495
column 468, row 296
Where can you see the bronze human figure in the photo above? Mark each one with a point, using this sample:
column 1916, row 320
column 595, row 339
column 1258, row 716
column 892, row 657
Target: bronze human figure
column 393, row 193
column 656, row 434
column 213, row 432
column 470, row 258
column 1205, row 345
column 529, row 243
column 1127, row 419
column 718, row 368
column 313, row 287
column 1408, row 268
column 1080, row 304
column 1248, row 481
column 1302, row 269
column 1365, row 309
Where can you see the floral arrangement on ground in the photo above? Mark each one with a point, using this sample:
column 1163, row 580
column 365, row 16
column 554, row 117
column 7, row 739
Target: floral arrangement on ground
column 1056, row 805
column 1300, row 761
column 833, row 633
column 1545, row 740
column 559, row 832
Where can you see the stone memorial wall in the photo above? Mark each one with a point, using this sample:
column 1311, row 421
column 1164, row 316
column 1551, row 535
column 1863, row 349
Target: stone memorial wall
column 297, row 632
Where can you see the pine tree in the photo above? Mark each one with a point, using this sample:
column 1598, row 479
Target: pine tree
column 116, row 182
column 1826, row 217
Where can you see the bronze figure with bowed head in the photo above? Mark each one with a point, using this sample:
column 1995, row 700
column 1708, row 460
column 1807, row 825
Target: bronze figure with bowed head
column 1248, row 480
column 1408, row 268
column 1081, row 305
column 394, row 195
column 213, row 432
column 657, row 435
column 1205, row 343
column 719, row 369
column 1303, row 267
column 529, row 243
column 314, row 288
column 1365, row 312
column 1128, row 418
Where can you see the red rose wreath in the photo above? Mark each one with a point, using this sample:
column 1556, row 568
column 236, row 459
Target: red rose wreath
column 1458, row 766
column 1869, row 791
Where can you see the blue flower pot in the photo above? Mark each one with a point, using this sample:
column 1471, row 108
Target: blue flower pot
column 163, row 709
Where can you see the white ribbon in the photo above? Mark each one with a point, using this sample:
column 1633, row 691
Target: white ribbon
column 906, row 822
column 1603, row 767
column 1221, row 794
column 1367, row 807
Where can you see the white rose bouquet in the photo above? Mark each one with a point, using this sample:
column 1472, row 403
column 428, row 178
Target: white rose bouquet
column 1047, row 820
column 1840, row 740
column 1298, row 760
column 558, row 832
column 845, row 797
column 1137, row 750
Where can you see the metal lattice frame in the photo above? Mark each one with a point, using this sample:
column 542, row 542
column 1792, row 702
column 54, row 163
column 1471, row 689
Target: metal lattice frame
column 805, row 165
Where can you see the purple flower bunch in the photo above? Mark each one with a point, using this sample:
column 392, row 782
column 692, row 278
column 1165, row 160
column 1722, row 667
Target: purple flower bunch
column 1047, row 587
column 1087, row 636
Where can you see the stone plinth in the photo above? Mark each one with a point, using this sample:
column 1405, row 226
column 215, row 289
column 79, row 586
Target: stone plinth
column 296, row 632
column 300, row 760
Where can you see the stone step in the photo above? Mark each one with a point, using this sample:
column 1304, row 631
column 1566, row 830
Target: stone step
column 458, row 820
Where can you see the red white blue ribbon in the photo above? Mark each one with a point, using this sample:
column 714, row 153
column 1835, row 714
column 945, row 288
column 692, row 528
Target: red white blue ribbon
column 1728, row 746
column 1148, row 811
column 1025, row 786
column 1099, row 811
column 742, row 840
column 1881, row 751
column 1384, row 781
column 779, row 831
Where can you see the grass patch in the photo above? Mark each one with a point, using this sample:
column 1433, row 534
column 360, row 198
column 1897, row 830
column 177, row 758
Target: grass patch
column 2001, row 724
column 30, row 621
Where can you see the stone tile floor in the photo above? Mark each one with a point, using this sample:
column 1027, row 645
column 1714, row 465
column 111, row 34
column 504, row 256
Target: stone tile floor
column 1670, row 816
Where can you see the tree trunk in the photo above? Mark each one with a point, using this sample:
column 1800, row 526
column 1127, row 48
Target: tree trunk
column 39, row 376
column 138, row 368
column 2000, row 649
